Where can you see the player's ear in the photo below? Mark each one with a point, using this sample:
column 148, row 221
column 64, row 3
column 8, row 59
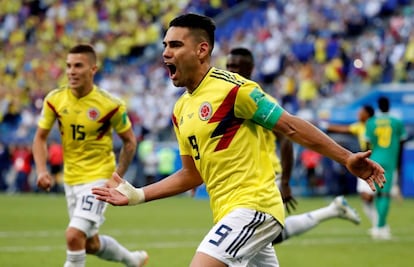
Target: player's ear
column 203, row 49
column 94, row 69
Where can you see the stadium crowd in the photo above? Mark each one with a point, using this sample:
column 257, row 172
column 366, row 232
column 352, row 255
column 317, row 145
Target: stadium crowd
column 306, row 51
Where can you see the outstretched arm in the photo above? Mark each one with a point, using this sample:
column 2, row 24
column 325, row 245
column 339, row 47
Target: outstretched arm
column 179, row 182
column 307, row 135
column 337, row 128
column 119, row 193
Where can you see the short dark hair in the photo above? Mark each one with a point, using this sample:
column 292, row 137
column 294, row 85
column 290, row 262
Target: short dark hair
column 384, row 104
column 197, row 22
column 84, row 49
column 241, row 51
column 369, row 109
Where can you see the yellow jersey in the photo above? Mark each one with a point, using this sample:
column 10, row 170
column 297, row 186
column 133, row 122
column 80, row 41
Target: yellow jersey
column 218, row 126
column 358, row 129
column 86, row 127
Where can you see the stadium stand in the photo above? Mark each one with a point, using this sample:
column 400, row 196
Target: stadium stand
column 312, row 55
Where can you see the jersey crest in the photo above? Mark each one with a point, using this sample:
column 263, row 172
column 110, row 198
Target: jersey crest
column 93, row 114
column 205, row 111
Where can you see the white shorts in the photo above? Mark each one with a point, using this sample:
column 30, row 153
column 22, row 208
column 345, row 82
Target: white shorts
column 86, row 213
column 243, row 238
column 363, row 187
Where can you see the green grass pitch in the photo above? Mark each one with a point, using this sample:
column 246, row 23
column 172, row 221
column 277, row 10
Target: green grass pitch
column 32, row 234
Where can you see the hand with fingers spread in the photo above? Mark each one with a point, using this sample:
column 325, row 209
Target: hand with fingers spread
column 361, row 166
column 288, row 200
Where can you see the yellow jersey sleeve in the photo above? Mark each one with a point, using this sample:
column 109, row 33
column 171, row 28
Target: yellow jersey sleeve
column 354, row 128
column 48, row 114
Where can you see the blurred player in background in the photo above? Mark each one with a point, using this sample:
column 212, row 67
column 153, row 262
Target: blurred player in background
column 240, row 60
column 86, row 117
column 358, row 129
column 217, row 122
column 385, row 135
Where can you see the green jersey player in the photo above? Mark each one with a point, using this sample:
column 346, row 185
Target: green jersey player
column 385, row 134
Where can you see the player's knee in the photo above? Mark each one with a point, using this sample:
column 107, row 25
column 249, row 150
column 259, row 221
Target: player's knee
column 92, row 245
column 75, row 239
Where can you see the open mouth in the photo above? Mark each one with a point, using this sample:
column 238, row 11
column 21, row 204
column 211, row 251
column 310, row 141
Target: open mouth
column 171, row 68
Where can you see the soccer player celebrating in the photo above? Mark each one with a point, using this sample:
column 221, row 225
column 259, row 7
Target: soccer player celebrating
column 385, row 135
column 86, row 116
column 217, row 122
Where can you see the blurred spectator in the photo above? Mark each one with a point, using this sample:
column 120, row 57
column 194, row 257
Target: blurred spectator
column 5, row 163
column 148, row 157
column 311, row 160
column 409, row 59
column 308, row 89
column 55, row 160
column 22, row 160
column 166, row 161
column 12, row 116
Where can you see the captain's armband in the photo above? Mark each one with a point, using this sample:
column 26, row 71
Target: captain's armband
column 267, row 113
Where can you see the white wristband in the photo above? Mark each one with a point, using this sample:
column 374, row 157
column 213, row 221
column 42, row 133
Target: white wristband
column 135, row 195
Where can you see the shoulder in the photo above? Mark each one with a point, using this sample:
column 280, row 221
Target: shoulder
column 226, row 76
column 353, row 127
column 108, row 97
column 397, row 119
column 57, row 92
column 400, row 123
column 370, row 124
column 56, row 95
column 371, row 120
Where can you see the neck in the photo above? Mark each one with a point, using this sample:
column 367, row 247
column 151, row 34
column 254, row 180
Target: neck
column 82, row 91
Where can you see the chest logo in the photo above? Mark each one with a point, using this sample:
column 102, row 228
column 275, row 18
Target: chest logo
column 93, row 114
column 206, row 111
